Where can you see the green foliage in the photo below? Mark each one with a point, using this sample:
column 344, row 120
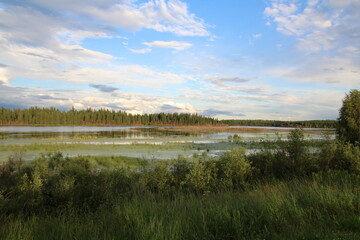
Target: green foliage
column 159, row 178
column 234, row 169
column 287, row 159
column 180, row 169
column 201, row 177
column 345, row 156
column 299, row 159
column 349, row 119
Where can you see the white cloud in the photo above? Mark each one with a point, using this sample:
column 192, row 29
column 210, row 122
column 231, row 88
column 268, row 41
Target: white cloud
column 3, row 76
column 75, row 37
column 142, row 51
column 40, row 40
column 20, row 25
column 292, row 21
column 196, row 68
column 144, row 75
column 341, row 71
column 328, row 40
column 292, row 105
column 258, row 35
column 163, row 16
column 81, row 99
column 172, row 107
column 179, row 46
column 319, row 25
column 235, row 84
column 77, row 65
column 353, row 4
column 223, row 79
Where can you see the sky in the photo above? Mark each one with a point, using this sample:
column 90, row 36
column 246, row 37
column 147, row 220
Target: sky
column 228, row 59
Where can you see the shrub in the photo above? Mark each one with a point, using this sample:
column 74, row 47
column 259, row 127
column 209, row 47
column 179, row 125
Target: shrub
column 180, row 169
column 159, row 178
column 346, row 157
column 287, row 159
column 234, row 168
column 201, row 176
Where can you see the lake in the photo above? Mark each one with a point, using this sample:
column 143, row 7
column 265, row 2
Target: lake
column 141, row 142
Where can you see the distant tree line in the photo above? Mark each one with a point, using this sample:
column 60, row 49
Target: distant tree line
column 53, row 116
column 276, row 123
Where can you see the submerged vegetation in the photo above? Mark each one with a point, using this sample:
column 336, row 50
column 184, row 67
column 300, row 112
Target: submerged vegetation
column 287, row 191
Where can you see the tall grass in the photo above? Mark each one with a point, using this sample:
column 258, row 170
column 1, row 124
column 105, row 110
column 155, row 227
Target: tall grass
column 326, row 206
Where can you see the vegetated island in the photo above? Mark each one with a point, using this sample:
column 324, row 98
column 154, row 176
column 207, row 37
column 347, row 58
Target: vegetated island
column 36, row 116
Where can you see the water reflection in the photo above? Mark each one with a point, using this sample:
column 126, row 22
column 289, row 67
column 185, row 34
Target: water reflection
column 68, row 132
column 140, row 133
column 142, row 142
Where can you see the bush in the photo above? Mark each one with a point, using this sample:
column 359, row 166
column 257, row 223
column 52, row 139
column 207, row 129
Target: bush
column 180, row 169
column 346, row 157
column 201, row 176
column 159, row 178
column 234, row 169
column 287, row 159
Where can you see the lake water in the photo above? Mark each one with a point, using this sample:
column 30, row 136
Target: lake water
column 143, row 142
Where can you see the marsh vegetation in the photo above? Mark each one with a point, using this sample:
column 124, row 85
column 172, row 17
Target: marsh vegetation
column 284, row 190
column 141, row 142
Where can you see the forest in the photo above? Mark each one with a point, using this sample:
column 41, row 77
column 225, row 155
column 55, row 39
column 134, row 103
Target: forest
column 277, row 123
column 53, row 116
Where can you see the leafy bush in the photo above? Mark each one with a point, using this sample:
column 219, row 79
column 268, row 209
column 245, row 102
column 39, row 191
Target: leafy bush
column 159, row 178
column 180, row 169
column 346, row 157
column 287, row 159
column 234, row 169
column 201, row 176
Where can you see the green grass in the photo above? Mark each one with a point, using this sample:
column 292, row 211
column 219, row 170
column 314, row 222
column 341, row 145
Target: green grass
column 323, row 207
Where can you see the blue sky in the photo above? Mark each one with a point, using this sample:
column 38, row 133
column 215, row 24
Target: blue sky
column 273, row 59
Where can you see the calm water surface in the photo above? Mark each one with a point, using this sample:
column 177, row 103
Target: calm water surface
column 145, row 142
